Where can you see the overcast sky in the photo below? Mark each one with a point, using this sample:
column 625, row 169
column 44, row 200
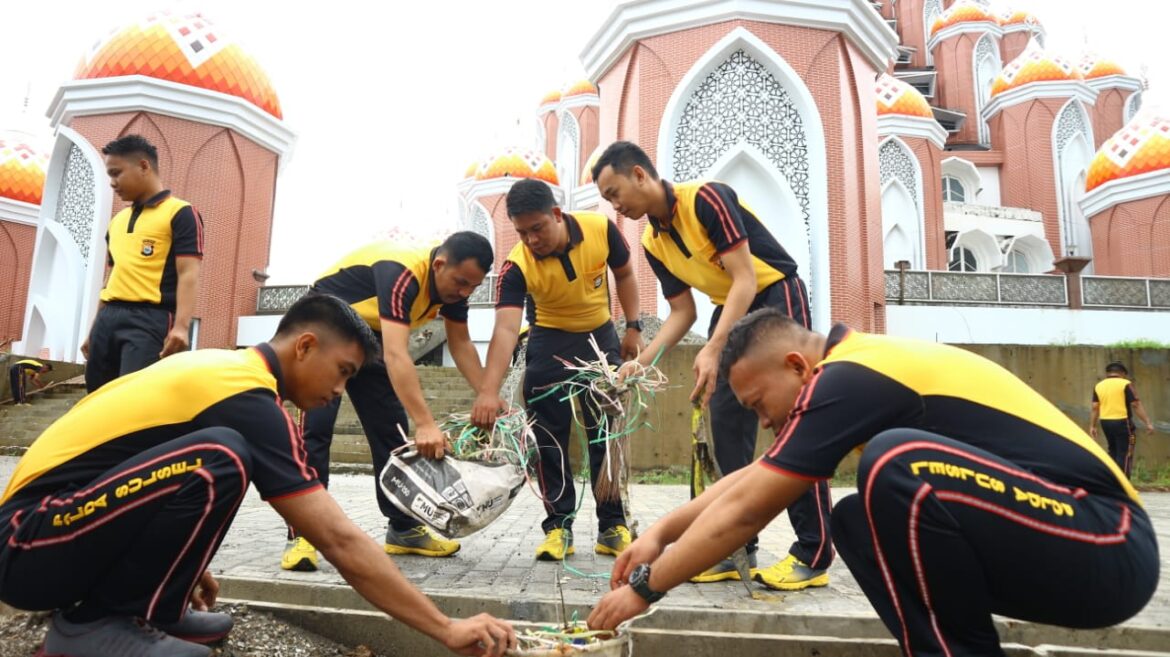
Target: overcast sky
column 391, row 101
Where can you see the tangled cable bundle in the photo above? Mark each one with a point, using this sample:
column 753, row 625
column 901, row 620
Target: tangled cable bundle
column 618, row 408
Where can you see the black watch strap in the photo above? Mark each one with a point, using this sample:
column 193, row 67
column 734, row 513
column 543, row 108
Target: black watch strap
column 635, row 324
column 640, row 582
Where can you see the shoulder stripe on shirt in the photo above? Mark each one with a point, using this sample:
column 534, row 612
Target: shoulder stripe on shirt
column 198, row 230
column 798, row 409
column 716, row 201
column 508, row 264
column 398, row 293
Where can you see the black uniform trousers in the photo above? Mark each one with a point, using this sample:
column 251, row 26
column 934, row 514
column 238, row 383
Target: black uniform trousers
column 1119, row 435
column 125, row 338
column 554, row 420
column 941, row 535
column 381, row 414
column 734, row 430
column 132, row 542
column 16, row 379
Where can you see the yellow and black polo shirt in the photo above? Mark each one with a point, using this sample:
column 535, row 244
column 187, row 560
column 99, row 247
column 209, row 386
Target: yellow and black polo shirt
column 143, row 242
column 189, row 391
column 567, row 291
column 383, row 281
column 29, row 365
column 1114, row 394
column 708, row 220
column 867, row 384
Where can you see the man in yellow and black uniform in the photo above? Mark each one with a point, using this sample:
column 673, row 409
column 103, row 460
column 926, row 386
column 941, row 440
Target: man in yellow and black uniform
column 154, row 251
column 116, row 510
column 560, row 271
column 18, row 373
column 701, row 235
column 976, row 496
column 396, row 289
column 1115, row 402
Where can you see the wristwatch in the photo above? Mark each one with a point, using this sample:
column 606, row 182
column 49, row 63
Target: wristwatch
column 635, row 324
column 640, row 582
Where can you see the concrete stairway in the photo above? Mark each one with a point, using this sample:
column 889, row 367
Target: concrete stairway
column 444, row 389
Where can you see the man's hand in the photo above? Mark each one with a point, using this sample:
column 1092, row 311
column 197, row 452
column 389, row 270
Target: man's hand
column 176, row 341
column 1092, row 431
column 85, row 348
column 615, row 608
column 706, row 369
column 487, row 408
column 645, row 549
column 479, row 635
column 430, row 442
column 631, row 344
column 205, row 592
column 1150, row 428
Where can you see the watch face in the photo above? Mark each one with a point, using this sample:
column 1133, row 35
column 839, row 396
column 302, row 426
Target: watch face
column 639, row 575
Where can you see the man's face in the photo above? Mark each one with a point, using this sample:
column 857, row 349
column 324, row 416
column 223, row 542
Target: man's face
column 128, row 176
column 543, row 233
column 455, row 281
column 767, row 380
column 627, row 193
column 322, row 365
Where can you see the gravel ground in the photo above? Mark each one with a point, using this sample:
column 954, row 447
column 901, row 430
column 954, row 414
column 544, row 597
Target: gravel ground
column 255, row 635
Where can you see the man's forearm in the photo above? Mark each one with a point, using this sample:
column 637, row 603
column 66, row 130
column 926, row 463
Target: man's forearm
column 1140, row 411
column 504, row 339
column 186, row 292
column 671, row 526
column 671, row 331
column 627, row 290
column 404, row 380
column 467, row 362
column 739, row 299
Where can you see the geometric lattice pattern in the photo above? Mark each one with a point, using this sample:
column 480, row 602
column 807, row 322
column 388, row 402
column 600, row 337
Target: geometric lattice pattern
column 896, row 164
column 897, row 97
column 580, row 88
column 517, row 163
column 1069, row 124
column 963, row 11
column 1142, row 146
column 1093, row 67
column 22, row 170
column 76, row 202
column 184, row 48
column 740, row 101
column 1035, row 65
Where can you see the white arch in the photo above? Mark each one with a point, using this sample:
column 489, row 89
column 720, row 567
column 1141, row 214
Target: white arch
column 983, row 244
column 1071, row 161
column 986, row 63
column 1035, row 249
column 568, row 151
column 931, row 9
column 901, row 239
column 967, row 173
column 917, row 232
column 818, row 275
column 477, row 211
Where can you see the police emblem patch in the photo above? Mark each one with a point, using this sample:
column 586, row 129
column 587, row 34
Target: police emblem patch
column 147, row 247
column 598, row 281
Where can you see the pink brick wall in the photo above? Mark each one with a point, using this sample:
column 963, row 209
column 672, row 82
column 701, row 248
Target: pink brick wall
column 955, row 89
column 1028, row 177
column 1133, row 239
column 16, row 253
column 1108, row 114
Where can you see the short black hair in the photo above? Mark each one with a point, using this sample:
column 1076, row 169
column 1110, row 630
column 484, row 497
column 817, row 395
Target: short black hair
column 623, row 156
column 530, row 195
column 467, row 244
column 133, row 145
column 753, row 327
column 315, row 310
column 1117, row 366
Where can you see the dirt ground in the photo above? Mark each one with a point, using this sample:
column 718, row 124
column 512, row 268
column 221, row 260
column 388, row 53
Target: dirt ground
column 255, row 635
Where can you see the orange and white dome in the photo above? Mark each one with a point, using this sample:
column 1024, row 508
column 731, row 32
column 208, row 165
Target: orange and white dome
column 518, row 163
column 1012, row 18
column 580, row 88
column 185, row 48
column 471, row 169
column 1141, row 147
column 963, row 11
column 587, row 173
column 1035, row 65
column 22, row 169
column 895, row 97
column 551, row 98
column 1093, row 67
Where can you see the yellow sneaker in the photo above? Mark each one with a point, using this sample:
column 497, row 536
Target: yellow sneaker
column 613, row 540
column 420, row 541
column 299, row 555
column 724, row 570
column 557, row 545
column 790, row 574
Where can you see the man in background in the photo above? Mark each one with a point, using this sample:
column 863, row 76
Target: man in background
column 1115, row 403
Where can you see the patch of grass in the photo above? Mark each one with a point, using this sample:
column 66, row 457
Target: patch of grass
column 670, row 475
column 1140, row 343
column 1151, row 479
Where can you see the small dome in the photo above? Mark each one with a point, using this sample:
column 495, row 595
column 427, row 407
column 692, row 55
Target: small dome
column 580, row 88
column 963, row 11
column 1143, row 146
column 471, row 169
column 587, row 174
column 551, row 97
column 518, row 163
column 1093, row 67
column 22, row 169
column 1035, row 65
column 897, row 97
column 1018, row 17
column 183, row 48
